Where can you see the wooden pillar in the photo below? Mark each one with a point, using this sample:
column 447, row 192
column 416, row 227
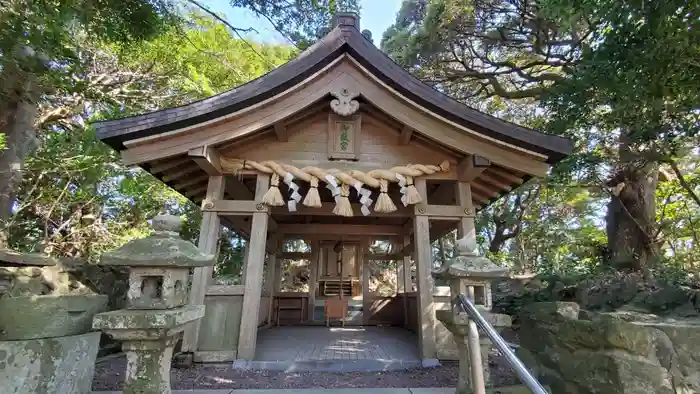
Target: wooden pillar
column 269, row 285
column 208, row 241
column 466, row 226
column 277, row 283
column 423, row 256
column 245, row 261
column 366, row 302
column 253, row 276
column 276, row 280
column 313, row 279
column 404, row 279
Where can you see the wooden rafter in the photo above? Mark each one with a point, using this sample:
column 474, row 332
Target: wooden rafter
column 484, row 190
column 493, row 181
column 505, row 174
column 192, row 181
column 165, row 165
column 185, row 170
column 280, row 132
column 406, row 134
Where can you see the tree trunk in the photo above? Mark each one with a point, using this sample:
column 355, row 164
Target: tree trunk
column 17, row 117
column 631, row 216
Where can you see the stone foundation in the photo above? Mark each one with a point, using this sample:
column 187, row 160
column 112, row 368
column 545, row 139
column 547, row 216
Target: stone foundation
column 581, row 352
column 49, row 366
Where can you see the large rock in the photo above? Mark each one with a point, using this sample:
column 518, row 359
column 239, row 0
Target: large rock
column 627, row 291
column 49, row 366
column 36, row 317
column 609, row 353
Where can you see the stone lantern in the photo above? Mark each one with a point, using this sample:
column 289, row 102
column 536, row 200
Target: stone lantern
column 471, row 275
column 156, row 311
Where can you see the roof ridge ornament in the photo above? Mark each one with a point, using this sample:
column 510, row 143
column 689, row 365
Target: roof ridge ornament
column 344, row 103
column 346, row 18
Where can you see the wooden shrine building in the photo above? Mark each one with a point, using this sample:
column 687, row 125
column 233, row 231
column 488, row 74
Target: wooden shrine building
column 339, row 147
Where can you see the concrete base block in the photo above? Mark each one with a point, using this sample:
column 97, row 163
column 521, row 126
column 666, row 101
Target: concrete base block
column 49, row 366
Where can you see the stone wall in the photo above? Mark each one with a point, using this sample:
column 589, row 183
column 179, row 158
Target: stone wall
column 580, row 352
column 69, row 277
column 615, row 291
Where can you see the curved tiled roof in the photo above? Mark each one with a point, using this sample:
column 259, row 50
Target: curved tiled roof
column 341, row 40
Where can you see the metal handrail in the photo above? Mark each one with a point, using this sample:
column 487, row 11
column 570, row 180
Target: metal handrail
column 496, row 338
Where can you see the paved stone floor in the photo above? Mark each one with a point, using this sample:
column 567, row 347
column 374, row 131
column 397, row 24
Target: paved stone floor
column 313, row 391
column 336, row 343
column 442, row 390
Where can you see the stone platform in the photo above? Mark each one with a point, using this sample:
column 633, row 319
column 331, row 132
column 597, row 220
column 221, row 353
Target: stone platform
column 49, row 366
column 334, row 349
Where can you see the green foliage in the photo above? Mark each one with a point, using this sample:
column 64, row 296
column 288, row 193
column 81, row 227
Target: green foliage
column 76, row 199
column 619, row 78
column 203, row 59
column 641, row 76
column 39, row 36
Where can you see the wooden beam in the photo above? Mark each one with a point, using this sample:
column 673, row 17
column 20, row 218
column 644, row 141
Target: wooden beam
column 467, row 170
column 224, row 290
column 406, row 134
column 327, row 210
column 424, row 262
column 280, row 132
column 364, row 166
column 295, row 255
column 201, row 278
column 207, row 158
column 442, row 212
column 248, row 332
column 340, row 229
column 235, row 207
column 335, row 237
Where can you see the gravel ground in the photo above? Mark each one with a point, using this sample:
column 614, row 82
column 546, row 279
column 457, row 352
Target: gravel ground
column 109, row 375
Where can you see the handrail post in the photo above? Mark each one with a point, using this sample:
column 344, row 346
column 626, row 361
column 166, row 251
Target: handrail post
column 518, row 367
column 474, row 346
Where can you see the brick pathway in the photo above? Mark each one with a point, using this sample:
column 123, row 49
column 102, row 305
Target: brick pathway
column 336, row 343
